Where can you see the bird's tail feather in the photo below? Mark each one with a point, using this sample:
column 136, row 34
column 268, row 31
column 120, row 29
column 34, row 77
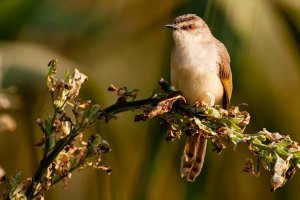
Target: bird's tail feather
column 193, row 157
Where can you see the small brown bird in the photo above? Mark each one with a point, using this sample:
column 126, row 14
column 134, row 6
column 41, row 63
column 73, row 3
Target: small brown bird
column 200, row 70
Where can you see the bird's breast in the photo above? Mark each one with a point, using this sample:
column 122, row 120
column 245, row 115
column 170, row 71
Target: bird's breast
column 194, row 72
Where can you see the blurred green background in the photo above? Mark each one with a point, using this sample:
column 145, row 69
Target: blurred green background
column 125, row 43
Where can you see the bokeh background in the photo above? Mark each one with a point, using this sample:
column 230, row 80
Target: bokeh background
column 125, row 43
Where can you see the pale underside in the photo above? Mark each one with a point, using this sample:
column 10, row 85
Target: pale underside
column 194, row 72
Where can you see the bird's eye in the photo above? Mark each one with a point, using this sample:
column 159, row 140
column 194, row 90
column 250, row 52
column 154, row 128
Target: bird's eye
column 191, row 26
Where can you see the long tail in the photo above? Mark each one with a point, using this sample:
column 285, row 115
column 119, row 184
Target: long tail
column 193, row 157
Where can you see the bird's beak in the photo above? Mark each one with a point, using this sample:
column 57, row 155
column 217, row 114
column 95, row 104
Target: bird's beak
column 172, row 26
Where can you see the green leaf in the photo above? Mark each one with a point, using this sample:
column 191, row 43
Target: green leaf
column 51, row 141
column 48, row 126
column 14, row 181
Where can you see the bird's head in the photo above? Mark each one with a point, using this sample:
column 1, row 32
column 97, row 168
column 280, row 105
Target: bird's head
column 189, row 28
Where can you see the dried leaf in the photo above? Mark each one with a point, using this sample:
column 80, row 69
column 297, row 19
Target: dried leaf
column 51, row 79
column 75, row 82
column 112, row 88
column 279, row 175
column 218, row 145
column 165, row 106
column 173, row 133
column 249, row 168
column 123, row 93
column 140, row 117
column 66, row 127
column 106, row 168
column 272, row 136
column 104, row 146
column 121, row 100
column 290, row 173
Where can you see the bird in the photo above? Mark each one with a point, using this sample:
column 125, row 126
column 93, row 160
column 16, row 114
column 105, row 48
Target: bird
column 200, row 70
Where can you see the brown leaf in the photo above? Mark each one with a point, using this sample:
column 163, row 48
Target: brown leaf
column 112, row 88
column 290, row 173
column 218, row 145
column 165, row 106
column 249, row 168
column 141, row 117
column 105, row 168
column 121, row 100
column 246, row 119
column 172, row 134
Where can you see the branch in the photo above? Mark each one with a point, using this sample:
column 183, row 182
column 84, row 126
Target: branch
column 278, row 154
column 65, row 150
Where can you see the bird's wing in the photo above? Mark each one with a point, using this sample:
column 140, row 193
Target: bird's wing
column 225, row 73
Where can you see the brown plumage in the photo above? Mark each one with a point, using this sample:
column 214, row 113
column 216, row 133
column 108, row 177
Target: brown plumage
column 225, row 73
column 200, row 67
